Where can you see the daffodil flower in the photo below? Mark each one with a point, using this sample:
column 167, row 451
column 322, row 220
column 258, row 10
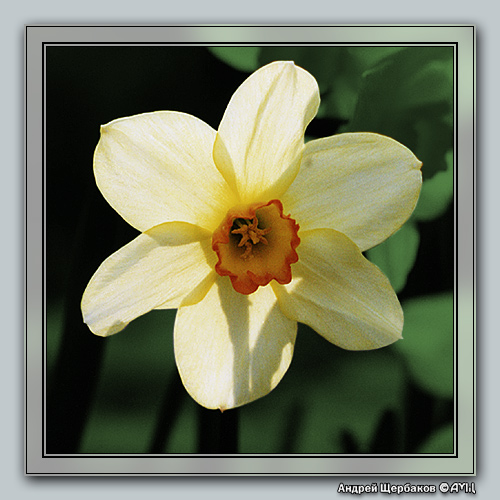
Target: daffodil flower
column 247, row 230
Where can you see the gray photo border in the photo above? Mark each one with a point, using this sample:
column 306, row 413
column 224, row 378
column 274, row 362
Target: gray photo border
column 461, row 463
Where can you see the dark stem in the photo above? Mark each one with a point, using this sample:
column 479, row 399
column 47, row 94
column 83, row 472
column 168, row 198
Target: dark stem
column 171, row 405
column 217, row 431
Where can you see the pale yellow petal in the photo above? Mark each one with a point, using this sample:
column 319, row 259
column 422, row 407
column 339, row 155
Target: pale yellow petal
column 158, row 167
column 363, row 185
column 261, row 137
column 231, row 348
column 167, row 266
column 340, row 294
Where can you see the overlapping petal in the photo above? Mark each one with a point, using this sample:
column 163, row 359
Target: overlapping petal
column 230, row 348
column 169, row 265
column 340, row 294
column 158, row 167
column 363, row 185
column 261, row 136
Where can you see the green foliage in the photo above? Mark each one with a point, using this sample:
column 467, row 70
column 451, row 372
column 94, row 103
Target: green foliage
column 396, row 255
column 409, row 97
column 326, row 393
column 427, row 344
column 441, row 441
column 436, row 193
column 240, row 58
column 183, row 437
column 369, row 56
column 136, row 369
column 338, row 70
column 55, row 319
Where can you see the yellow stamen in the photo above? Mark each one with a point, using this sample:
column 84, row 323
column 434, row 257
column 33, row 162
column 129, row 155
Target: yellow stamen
column 251, row 235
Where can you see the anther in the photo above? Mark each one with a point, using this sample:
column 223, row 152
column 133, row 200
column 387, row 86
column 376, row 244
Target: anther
column 251, row 235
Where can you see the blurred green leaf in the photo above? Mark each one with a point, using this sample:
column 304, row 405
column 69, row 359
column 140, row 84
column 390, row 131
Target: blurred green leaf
column 184, row 435
column 441, row 441
column 370, row 56
column 427, row 343
column 136, row 369
column 346, row 83
column 396, row 256
column 432, row 83
column 409, row 96
column 55, row 323
column 117, row 432
column 436, row 193
column 240, row 58
column 352, row 397
column 415, row 80
column 326, row 392
column 433, row 141
column 342, row 99
column 340, row 72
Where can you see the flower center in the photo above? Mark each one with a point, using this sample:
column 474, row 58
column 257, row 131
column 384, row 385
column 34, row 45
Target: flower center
column 255, row 244
column 251, row 235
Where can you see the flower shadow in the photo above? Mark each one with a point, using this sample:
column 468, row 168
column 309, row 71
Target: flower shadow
column 261, row 349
